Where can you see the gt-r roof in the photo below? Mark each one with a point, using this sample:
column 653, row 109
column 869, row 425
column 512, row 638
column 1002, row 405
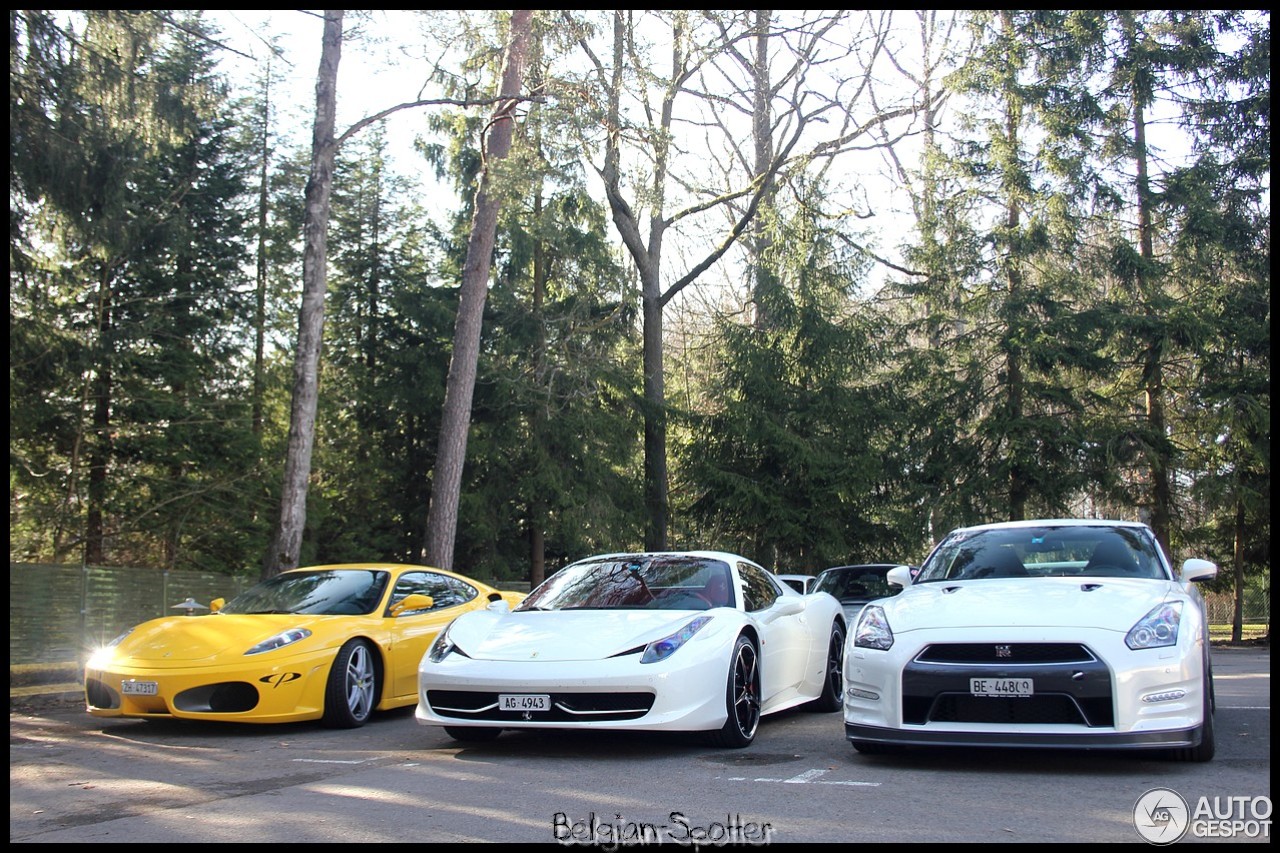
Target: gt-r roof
column 1052, row 522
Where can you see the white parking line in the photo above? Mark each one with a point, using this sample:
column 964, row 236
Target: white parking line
column 332, row 761
column 808, row 777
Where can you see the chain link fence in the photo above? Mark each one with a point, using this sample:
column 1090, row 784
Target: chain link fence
column 59, row 613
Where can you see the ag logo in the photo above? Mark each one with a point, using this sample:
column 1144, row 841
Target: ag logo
column 280, row 678
column 1161, row 816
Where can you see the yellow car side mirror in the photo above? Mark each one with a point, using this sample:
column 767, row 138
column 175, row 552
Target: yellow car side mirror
column 216, row 604
column 413, row 601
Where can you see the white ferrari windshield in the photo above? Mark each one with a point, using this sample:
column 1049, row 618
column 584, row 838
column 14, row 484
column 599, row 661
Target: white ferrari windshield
column 640, row 581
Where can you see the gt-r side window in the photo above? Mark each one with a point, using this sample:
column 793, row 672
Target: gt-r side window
column 444, row 590
column 759, row 590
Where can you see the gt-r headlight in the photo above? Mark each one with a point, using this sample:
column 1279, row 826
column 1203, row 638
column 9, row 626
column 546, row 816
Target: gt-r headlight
column 279, row 641
column 1157, row 629
column 667, row 646
column 872, row 630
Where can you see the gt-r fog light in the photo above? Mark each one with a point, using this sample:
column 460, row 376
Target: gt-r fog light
column 1166, row 696
column 855, row 693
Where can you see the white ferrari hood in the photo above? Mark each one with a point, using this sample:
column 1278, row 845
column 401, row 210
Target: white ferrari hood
column 1107, row 603
column 562, row 635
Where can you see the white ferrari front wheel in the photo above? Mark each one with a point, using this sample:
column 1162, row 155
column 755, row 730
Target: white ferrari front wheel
column 742, row 697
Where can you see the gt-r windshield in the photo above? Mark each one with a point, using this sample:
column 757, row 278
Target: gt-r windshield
column 1035, row 552
column 649, row 582
column 325, row 593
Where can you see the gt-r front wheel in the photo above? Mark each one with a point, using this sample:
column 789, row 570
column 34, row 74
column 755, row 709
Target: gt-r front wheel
column 1205, row 750
column 352, row 689
column 742, row 697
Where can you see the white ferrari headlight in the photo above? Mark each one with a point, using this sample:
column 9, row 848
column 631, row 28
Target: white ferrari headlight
column 666, row 647
column 872, row 630
column 442, row 647
column 1157, row 629
column 279, row 641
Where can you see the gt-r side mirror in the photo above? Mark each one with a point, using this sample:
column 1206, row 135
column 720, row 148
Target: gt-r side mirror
column 499, row 605
column 899, row 576
column 1198, row 570
column 216, row 604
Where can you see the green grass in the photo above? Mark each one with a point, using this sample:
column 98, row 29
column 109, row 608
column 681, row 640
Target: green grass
column 1248, row 631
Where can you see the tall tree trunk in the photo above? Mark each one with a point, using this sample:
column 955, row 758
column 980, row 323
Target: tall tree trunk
column 1158, row 457
column 446, row 485
column 287, row 542
column 260, row 293
column 648, row 265
column 765, row 270
column 655, row 415
column 538, row 416
column 1237, row 556
column 1014, row 392
column 99, row 456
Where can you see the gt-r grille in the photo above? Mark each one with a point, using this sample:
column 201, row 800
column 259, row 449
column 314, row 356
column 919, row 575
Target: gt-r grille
column 1059, row 708
column 1005, row 653
column 565, row 707
column 1073, row 693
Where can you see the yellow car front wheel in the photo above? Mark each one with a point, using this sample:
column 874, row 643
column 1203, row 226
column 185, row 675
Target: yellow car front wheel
column 352, row 689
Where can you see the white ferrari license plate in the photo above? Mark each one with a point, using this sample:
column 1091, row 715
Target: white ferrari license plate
column 139, row 688
column 1000, row 687
column 524, row 702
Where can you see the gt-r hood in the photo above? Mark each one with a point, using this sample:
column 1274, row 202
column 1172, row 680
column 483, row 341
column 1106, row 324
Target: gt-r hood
column 1109, row 603
column 193, row 638
column 564, row 635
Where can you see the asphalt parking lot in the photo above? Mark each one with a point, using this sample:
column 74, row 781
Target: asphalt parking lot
column 80, row 779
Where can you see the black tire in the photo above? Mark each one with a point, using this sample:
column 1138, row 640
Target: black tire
column 352, row 690
column 742, row 697
column 473, row 734
column 1204, row 751
column 832, row 696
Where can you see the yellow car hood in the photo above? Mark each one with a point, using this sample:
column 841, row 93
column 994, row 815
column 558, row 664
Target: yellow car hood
column 185, row 639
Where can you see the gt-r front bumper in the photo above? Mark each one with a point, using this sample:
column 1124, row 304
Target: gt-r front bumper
column 1088, row 690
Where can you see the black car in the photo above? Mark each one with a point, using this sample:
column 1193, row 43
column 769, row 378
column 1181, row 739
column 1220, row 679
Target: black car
column 853, row 586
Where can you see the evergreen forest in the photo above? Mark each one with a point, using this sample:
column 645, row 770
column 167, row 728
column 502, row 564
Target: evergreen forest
column 814, row 287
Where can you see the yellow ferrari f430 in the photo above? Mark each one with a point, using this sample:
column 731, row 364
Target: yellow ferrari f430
column 331, row 643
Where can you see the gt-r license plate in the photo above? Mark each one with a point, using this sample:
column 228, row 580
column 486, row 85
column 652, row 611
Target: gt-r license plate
column 524, row 702
column 1001, row 687
column 139, row 688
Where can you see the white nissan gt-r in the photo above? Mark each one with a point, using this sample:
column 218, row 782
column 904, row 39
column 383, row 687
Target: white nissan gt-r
column 1054, row 633
column 689, row 641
